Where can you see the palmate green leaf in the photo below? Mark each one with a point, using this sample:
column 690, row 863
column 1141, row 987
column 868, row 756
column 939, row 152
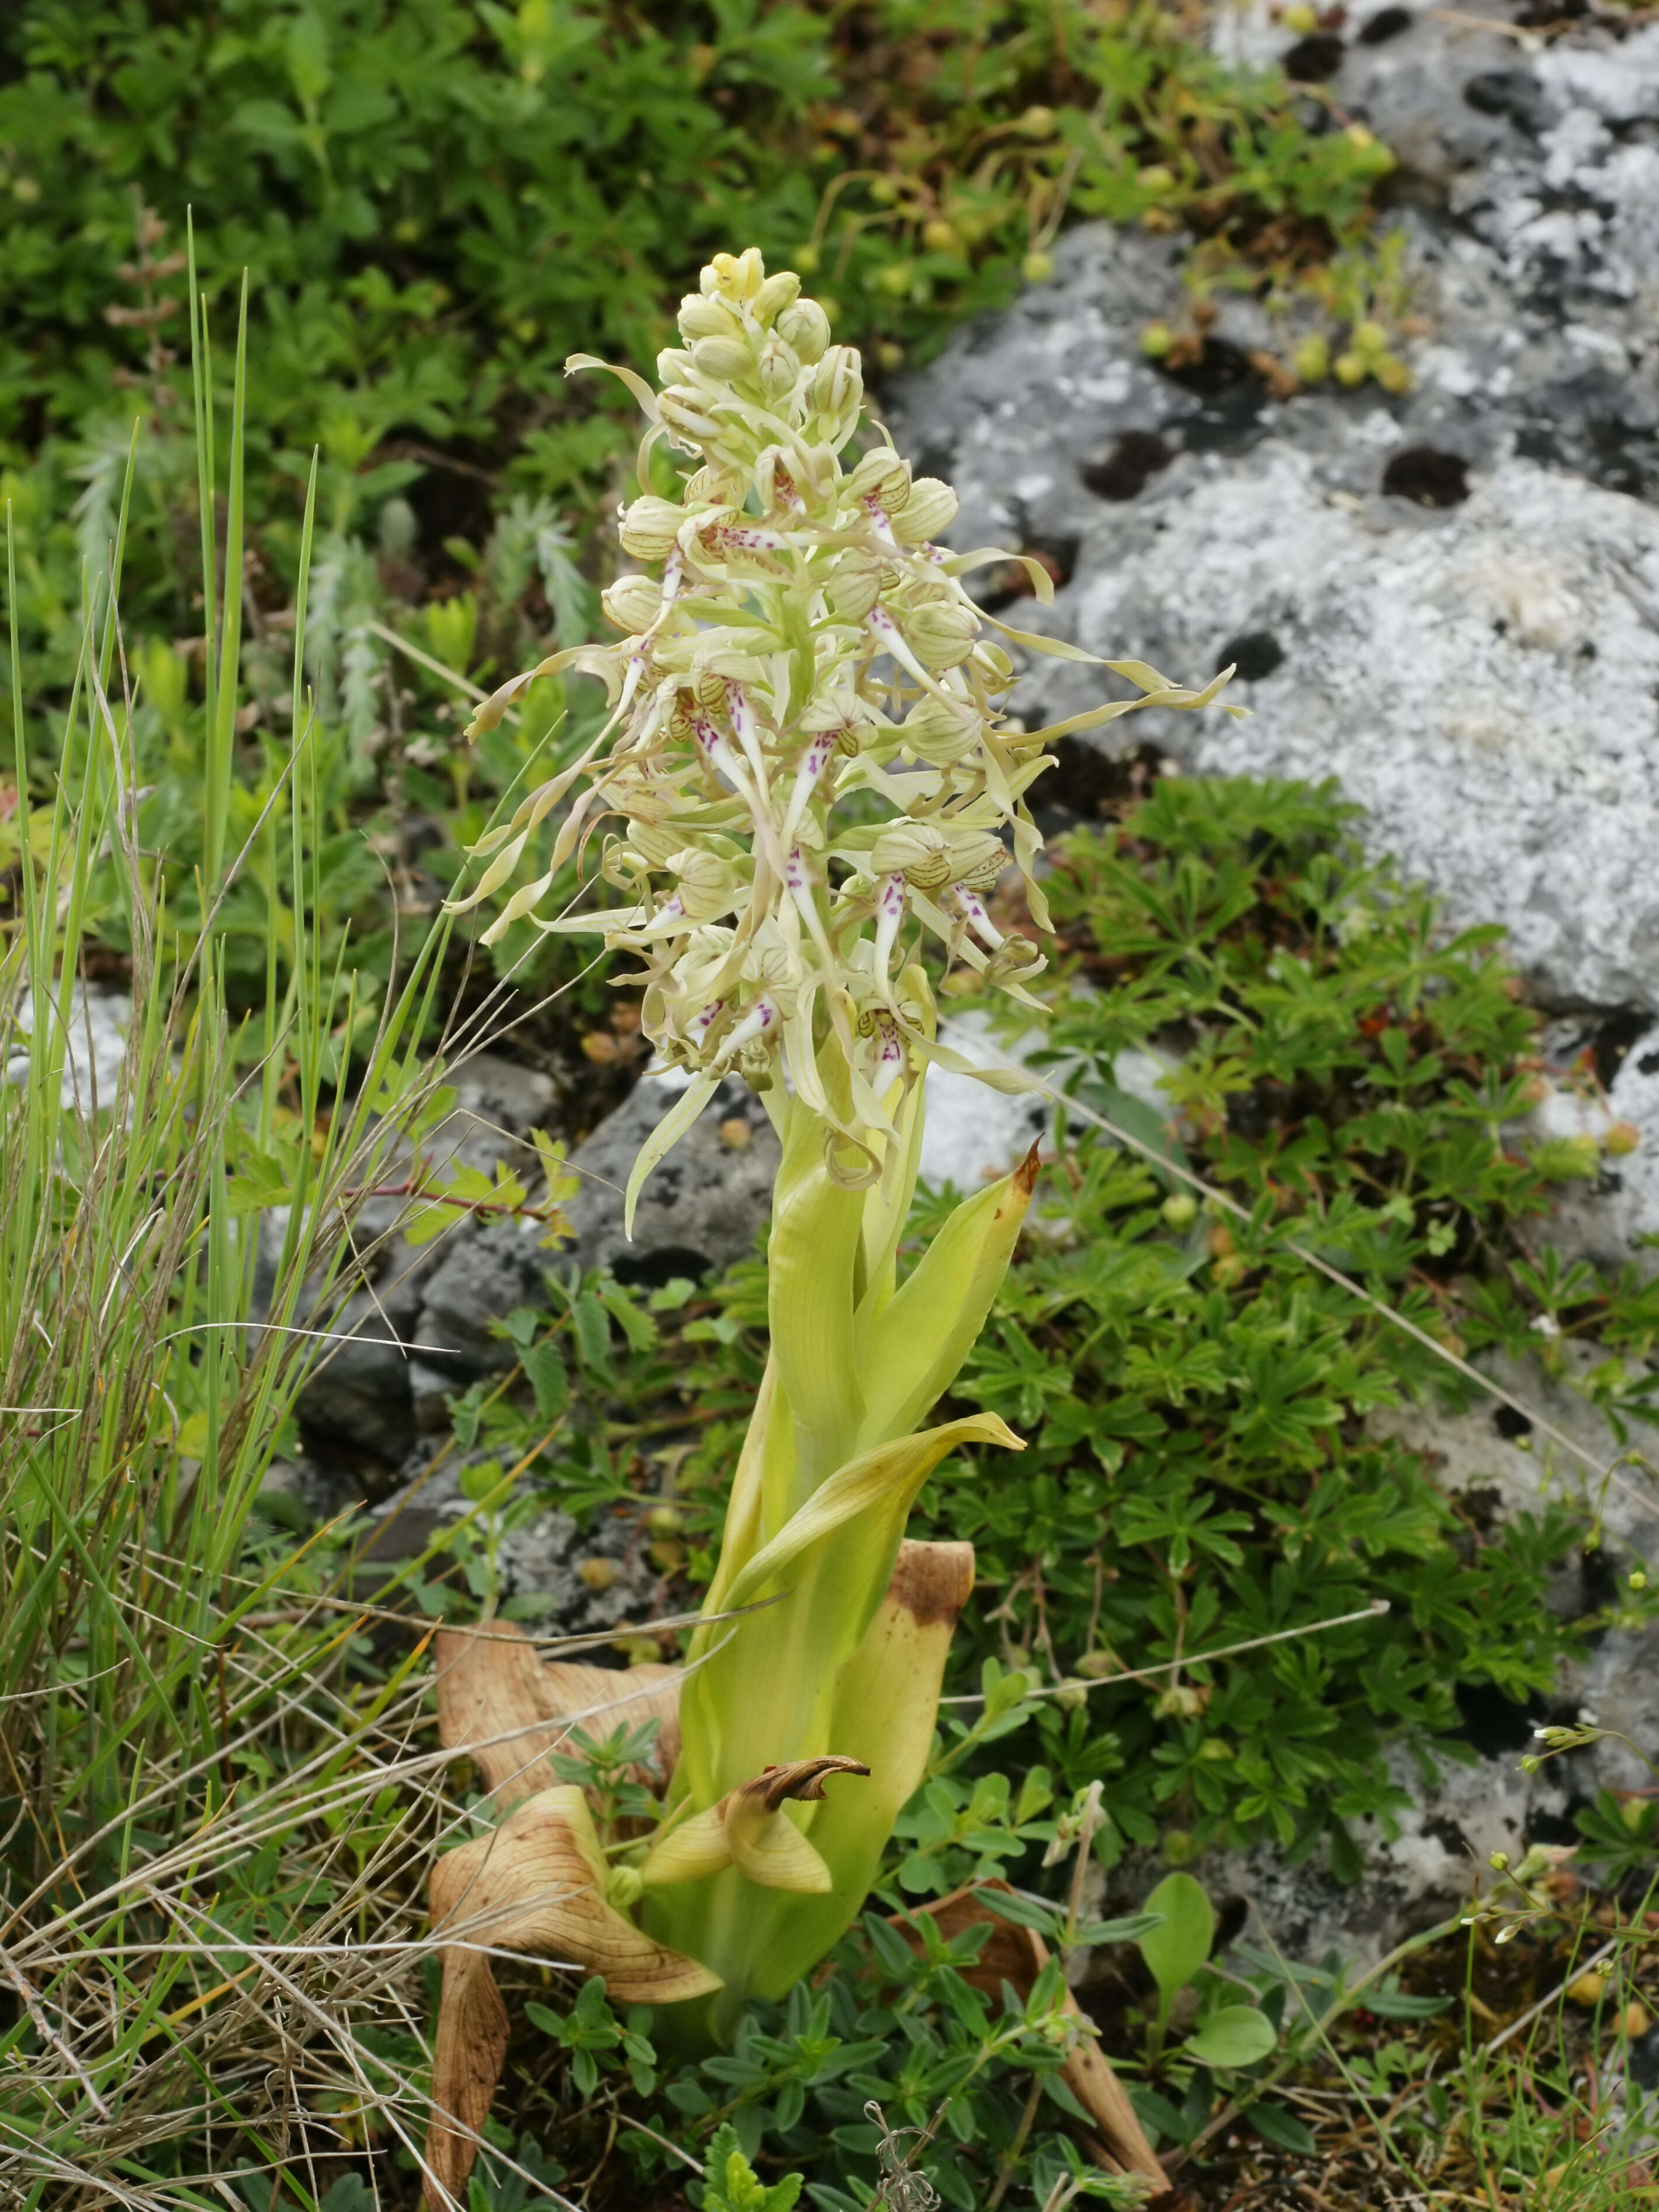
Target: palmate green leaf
column 260, row 1182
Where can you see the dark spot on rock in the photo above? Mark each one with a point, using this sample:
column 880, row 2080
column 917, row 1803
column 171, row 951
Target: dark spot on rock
column 1492, row 1723
column 1214, row 365
column 1086, row 782
column 1482, row 1504
column 1649, row 1064
column 1615, row 1035
column 1000, row 584
column 1254, row 656
column 1515, row 94
column 1544, row 1827
column 1447, row 1833
column 1587, row 650
column 655, row 1268
column 1500, row 626
column 1510, row 1423
column 1231, row 1916
column 1057, row 554
column 1312, row 59
column 1135, row 455
column 1599, row 1586
column 1538, row 15
column 1387, row 23
column 1427, row 476
column 403, row 1535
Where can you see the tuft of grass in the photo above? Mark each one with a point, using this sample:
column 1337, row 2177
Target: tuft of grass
column 209, row 1820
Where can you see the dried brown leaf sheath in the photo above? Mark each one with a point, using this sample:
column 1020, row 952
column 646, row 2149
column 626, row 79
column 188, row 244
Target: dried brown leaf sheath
column 536, row 1884
column 492, row 1684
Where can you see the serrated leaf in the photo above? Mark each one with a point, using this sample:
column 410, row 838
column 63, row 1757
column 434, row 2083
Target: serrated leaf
column 548, row 1378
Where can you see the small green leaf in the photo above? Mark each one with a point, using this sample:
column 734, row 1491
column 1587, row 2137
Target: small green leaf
column 1238, row 2035
column 593, row 1328
column 1174, row 1951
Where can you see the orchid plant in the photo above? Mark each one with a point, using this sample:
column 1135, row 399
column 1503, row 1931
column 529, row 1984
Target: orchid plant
column 806, row 779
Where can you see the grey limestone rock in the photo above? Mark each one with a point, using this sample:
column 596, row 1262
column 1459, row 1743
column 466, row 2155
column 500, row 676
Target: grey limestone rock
column 95, row 1047
column 537, row 1562
column 702, row 1206
column 1450, row 601
column 360, row 1401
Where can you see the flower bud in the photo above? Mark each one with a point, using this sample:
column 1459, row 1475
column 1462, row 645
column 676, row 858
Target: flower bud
column 998, row 670
column 1312, row 359
column 673, row 365
column 726, row 360
column 651, row 528
column 776, row 294
column 931, row 508
column 915, row 850
column 656, row 846
column 708, row 886
column 877, row 475
column 779, row 368
column 939, row 737
column 941, row 632
column 624, row 1886
column 707, row 319
column 734, row 276
column 837, row 386
column 632, row 603
column 855, row 587
column 978, row 857
column 684, row 412
column 1015, row 961
column 806, row 328
column 714, row 486
column 1620, row 1139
